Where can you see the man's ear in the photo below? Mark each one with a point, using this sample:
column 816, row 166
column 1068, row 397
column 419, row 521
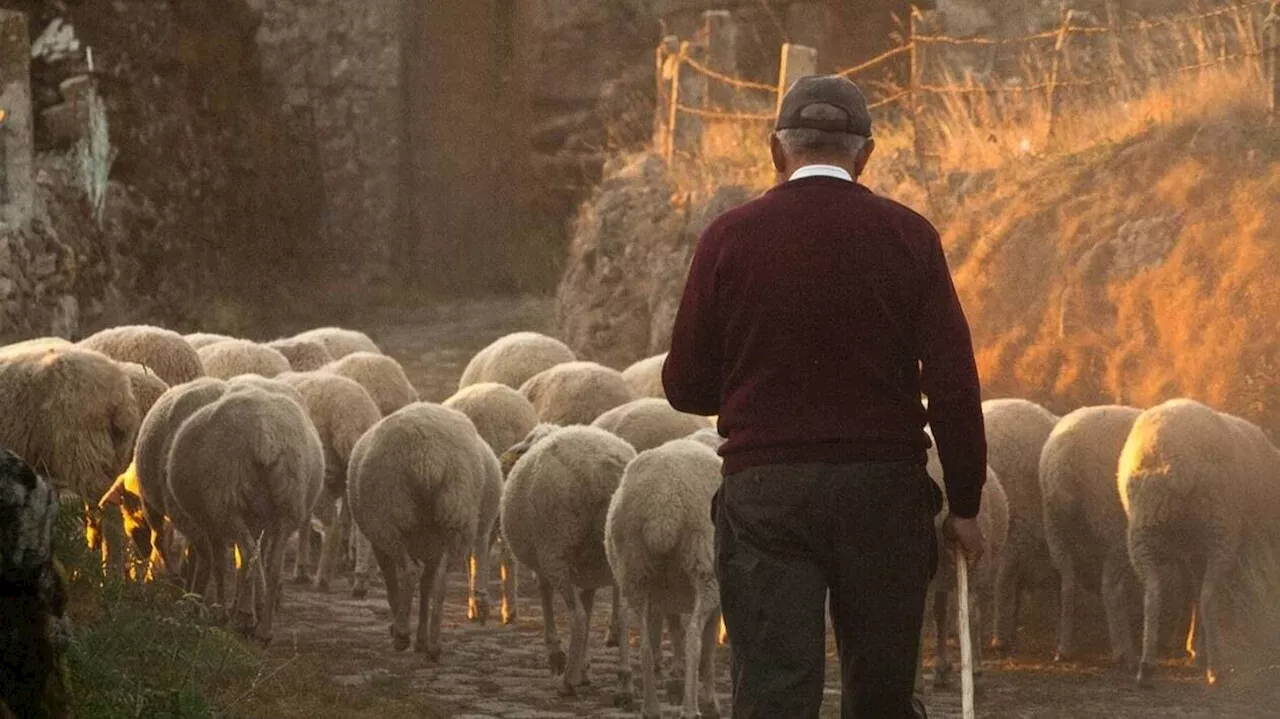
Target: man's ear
column 864, row 154
column 779, row 157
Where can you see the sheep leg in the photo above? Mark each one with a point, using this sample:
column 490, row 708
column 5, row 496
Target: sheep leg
column 273, row 574
column 510, row 584
column 1006, row 606
column 942, row 622
column 1208, row 615
column 588, row 604
column 624, row 697
column 1151, row 598
column 676, row 629
column 360, row 575
column 216, row 561
column 555, row 656
column 699, row 617
column 650, row 643
column 333, row 535
column 708, row 702
column 1067, row 611
column 478, row 579
column 249, row 564
column 577, row 641
column 1116, row 576
column 392, row 574
column 611, row 638
column 428, row 640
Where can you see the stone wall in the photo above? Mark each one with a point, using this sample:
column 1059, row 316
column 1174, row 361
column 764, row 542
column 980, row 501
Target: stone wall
column 338, row 64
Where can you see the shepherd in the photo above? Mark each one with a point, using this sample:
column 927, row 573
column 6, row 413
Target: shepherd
column 813, row 320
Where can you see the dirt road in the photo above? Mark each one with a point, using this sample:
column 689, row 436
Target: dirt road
column 332, row 656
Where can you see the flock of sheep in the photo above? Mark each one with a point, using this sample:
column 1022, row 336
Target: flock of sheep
column 586, row 477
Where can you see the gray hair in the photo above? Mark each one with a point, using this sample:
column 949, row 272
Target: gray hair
column 806, row 142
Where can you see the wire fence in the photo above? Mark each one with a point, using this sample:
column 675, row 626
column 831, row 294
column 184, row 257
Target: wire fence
column 1080, row 55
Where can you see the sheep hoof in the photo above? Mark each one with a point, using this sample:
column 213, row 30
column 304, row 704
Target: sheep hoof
column 558, row 662
column 1214, row 679
column 675, row 690
column 709, row 711
column 301, row 578
column 245, row 624
column 263, row 637
column 1146, row 675
column 509, row 616
column 399, row 642
column 942, row 676
column 359, row 590
column 623, row 700
column 565, row 690
column 322, row 585
column 1062, row 656
column 432, row 655
column 478, row 611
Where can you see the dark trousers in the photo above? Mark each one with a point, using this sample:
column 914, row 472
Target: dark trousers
column 786, row 536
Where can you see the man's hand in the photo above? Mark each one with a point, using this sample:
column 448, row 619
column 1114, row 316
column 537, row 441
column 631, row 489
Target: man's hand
column 965, row 535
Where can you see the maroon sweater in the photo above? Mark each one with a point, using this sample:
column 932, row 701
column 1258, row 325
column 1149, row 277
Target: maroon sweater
column 813, row 319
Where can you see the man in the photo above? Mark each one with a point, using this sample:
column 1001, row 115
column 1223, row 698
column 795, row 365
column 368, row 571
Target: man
column 813, row 319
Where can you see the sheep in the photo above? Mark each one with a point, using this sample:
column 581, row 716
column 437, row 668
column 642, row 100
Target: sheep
column 503, row 417
column 576, row 392
column 39, row 343
column 512, row 359
column 342, row 411
column 33, row 596
column 648, row 422
column 1016, row 432
column 72, row 415
column 993, row 519
column 709, row 436
column 339, row 342
column 553, row 514
column 380, row 375
column 659, row 540
column 244, row 466
column 1197, row 486
column 645, row 377
column 303, row 355
column 150, row 469
column 416, row 485
column 146, row 388
column 164, row 352
column 204, row 339
column 1084, row 522
column 231, row 358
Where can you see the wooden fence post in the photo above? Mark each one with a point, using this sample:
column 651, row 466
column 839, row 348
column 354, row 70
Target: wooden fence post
column 916, row 95
column 797, row 61
column 667, row 61
column 689, row 90
column 720, row 34
column 1059, row 53
column 1271, row 56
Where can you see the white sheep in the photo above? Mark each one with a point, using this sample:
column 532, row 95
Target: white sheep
column 576, row 392
column 553, row 513
column 1084, row 521
column 71, row 414
column 416, row 486
column 164, row 352
column 342, row 411
column 340, row 342
column 1016, row 432
column 242, row 467
column 231, row 358
column 503, row 417
column 151, row 457
column 1197, row 486
column 38, row 343
column 993, row 519
column 146, row 388
column 659, row 540
column 645, row 377
column 709, row 436
column 649, row 422
column 303, row 355
column 204, row 339
column 514, row 358
column 381, row 376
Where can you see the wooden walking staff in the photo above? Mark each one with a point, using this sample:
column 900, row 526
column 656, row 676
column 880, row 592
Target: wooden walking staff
column 966, row 640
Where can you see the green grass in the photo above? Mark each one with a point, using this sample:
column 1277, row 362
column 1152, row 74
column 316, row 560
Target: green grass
column 143, row 650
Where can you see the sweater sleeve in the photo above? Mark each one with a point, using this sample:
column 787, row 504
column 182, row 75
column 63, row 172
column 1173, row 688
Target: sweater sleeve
column 691, row 374
column 949, row 379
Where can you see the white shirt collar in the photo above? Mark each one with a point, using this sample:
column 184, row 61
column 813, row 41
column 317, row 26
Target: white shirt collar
column 821, row 171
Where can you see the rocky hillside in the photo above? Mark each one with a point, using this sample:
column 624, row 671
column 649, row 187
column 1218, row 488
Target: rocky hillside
column 1128, row 271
